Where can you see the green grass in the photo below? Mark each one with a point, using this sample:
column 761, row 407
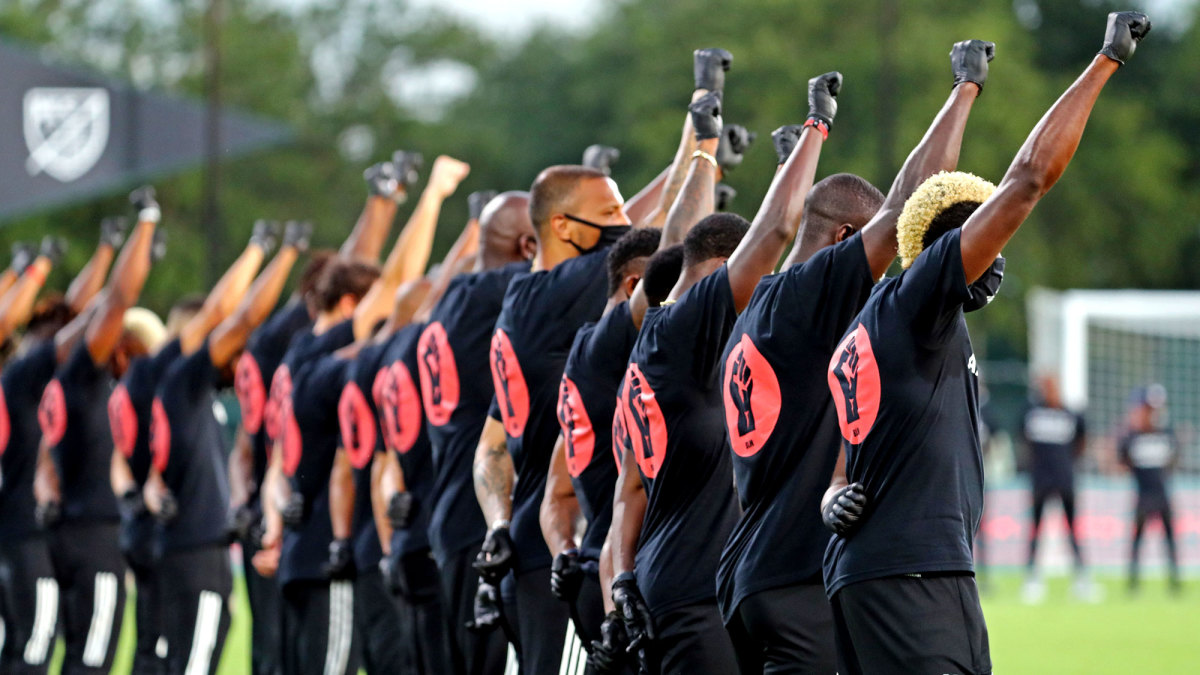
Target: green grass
column 1152, row 632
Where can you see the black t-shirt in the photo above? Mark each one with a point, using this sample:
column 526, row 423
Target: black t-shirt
column 129, row 416
column 306, row 388
column 74, row 418
column 671, row 405
column 456, row 389
column 23, row 381
column 1148, row 454
column 1051, row 435
column 255, row 369
column 361, row 440
column 904, row 382
column 535, row 329
column 587, row 398
column 774, row 366
column 398, row 398
column 189, row 451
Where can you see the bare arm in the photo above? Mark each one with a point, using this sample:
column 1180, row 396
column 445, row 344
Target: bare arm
column 274, row 492
column 341, row 496
column 90, row 279
column 644, row 204
column 7, row 278
column 560, row 506
column 606, row 576
column 386, row 480
column 1038, row 164
column 463, row 249
column 629, row 509
column 223, row 299
column 45, row 478
column 16, row 306
column 838, row 480
column 120, row 475
column 241, row 469
column 494, row 473
column 228, row 339
column 677, row 172
column 365, row 241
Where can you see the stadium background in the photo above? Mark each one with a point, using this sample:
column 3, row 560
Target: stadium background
column 358, row 78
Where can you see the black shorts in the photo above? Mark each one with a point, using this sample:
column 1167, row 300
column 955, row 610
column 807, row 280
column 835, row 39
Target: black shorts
column 28, row 606
column 91, row 585
column 589, row 610
column 318, row 628
column 266, row 609
column 194, row 587
column 547, row 646
column 692, row 640
column 418, row 607
column 150, row 649
column 471, row 653
column 911, row 624
column 785, row 630
column 379, row 627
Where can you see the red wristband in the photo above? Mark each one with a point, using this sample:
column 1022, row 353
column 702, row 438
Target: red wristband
column 36, row 273
column 819, row 125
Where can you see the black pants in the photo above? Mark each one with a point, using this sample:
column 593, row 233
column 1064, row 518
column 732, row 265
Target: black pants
column 692, row 640
column 148, row 659
column 785, row 630
column 542, row 624
column 1149, row 506
column 380, row 635
column 910, row 624
column 417, row 602
column 318, row 628
column 471, row 653
column 266, row 609
column 1041, row 495
column 90, row 571
column 194, row 586
column 28, row 606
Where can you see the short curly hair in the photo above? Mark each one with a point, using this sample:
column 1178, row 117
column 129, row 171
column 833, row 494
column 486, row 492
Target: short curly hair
column 943, row 202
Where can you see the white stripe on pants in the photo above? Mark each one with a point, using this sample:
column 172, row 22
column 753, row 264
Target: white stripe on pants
column 45, row 619
column 341, row 627
column 204, row 635
column 574, row 658
column 104, row 605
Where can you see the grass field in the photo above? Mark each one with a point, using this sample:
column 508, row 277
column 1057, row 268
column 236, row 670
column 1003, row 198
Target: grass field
column 1152, row 632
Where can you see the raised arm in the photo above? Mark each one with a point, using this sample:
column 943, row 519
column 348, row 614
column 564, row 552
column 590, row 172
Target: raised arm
column 387, row 187
column 644, row 205
column 16, row 305
column 124, row 285
column 90, row 279
column 227, row 294
column 778, row 218
column 23, row 253
column 937, row 151
column 464, row 249
column 228, row 338
column 410, row 254
column 1048, row 150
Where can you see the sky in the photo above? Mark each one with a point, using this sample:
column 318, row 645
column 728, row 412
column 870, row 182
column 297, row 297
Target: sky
column 516, row 17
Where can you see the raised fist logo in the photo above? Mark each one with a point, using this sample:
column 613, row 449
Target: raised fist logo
column 741, row 386
column 357, row 424
column 122, row 420
column 853, row 380
column 578, row 436
column 52, row 413
column 644, row 424
column 751, row 397
column 251, row 392
column 512, row 395
column 847, row 375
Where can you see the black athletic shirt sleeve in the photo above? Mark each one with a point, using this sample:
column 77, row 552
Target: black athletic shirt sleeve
column 23, row 381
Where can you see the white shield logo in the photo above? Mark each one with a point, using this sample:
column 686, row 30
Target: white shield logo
column 66, row 130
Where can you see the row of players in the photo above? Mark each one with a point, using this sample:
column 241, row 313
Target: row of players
column 435, row 452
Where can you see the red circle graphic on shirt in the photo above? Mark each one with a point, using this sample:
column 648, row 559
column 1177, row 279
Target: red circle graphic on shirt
column 511, row 393
column 281, row 420
column 122, row 419
column 621, row 442
column 160, row 436
column 752, row 401
column 251, row 392
column 272, row 412
column 854, row 383
column 357, row 424
column 644, row 422
column 400, row 408
column 439, row 374
column 579, row 439
column 52, row 413
column 5, row 425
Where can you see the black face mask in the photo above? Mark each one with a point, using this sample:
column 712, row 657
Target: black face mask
column 986, row 286
column 609, row 234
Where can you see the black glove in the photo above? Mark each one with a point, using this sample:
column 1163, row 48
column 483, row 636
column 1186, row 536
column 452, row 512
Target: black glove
column 969, row 61
column 710, row 66
column 734, row 142
column 495, row 558
column 387, row 569
column 785, row 139
column 841, row 514
column 477, row 200
column 724, row 196
column 23, row 254
column 706, row 115
column 265, row 234
column 566, row 575
column 401, row 509
column 293, row 510
column 486, row 613
column 145, row 204
column 48, row 514
column 158, row 245
column 639, row 625
column 608, row 653
column 242, row 522
column 168, row 508
column 297, row 234
column 340, row 563
column 381, row 180
column 1125, row 30
column 113, row 229
column 131, row 504
column 601, row 157
column 53, row 248
column 822, row 97
column 408, row 167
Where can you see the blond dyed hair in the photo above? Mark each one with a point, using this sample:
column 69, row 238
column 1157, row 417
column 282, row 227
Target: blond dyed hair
column 938, row 193
column 145, row 325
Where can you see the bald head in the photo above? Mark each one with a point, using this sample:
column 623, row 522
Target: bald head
column 506, row 233
column 840, row 199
